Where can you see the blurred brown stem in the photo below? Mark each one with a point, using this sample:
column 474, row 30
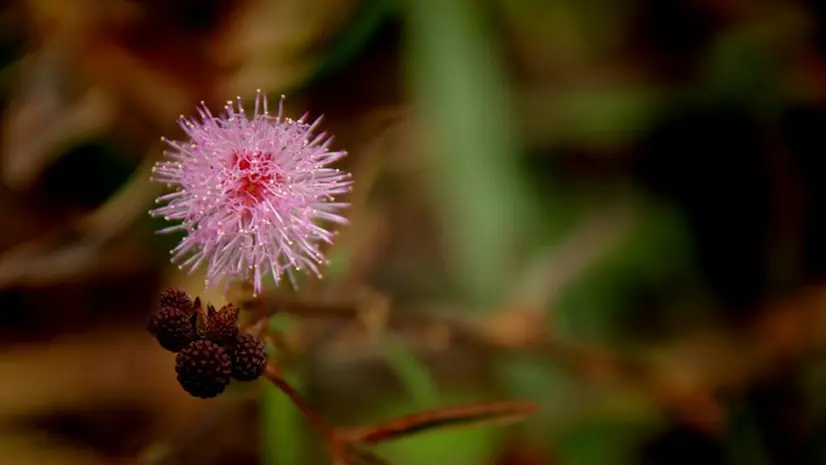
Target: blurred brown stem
column 268, row 306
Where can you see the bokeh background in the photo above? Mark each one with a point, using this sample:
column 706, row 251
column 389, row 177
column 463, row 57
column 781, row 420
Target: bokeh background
column 615, row 208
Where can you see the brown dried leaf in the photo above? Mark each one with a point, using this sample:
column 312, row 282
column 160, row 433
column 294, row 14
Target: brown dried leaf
column 51, row 261
column 84, row 370
column 269, row 41
column 29, row 448
column 42, row 121
column 90, row 246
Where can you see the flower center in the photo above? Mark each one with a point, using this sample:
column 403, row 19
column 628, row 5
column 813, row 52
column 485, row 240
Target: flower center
column 254, row 176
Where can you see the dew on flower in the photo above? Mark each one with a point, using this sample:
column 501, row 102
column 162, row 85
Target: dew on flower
column 249, row 192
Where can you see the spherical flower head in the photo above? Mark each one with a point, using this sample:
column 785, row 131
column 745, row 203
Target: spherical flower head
column 251, row 193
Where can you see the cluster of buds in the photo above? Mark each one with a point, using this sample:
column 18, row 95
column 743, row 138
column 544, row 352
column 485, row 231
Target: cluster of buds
column 210, row 349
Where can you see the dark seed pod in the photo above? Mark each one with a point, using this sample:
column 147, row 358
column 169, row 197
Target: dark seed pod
column 222, row 326
column 177, row 298
column 172, row 327
column 249, row 357
column 203, row 369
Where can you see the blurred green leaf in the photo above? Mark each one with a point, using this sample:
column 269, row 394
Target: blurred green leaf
column 598, row 118
column 744, row 442
column 281, row 422
column 360, row 29
column 656, row 248
column 280, row 427
column 743, row 66
column 460, row 89
column 339, row 259
column 600, row 442
column 531, row 377
column 413, row 373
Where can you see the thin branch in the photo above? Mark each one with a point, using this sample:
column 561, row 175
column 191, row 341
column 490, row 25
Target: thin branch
column 497, row 413
column 268, row 305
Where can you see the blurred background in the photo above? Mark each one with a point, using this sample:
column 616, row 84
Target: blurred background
column 615, row 208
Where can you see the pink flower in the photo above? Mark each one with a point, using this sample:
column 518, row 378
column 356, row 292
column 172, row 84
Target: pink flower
column 248, row 194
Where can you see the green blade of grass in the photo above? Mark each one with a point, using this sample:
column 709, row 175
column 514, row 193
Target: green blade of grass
column 412, row 372
column 280, row 428
column 460, row 90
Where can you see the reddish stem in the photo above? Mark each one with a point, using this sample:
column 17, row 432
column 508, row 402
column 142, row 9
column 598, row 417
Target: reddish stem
column 497, row 412
column 298, row 400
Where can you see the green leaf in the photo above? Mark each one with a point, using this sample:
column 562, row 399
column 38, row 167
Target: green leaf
column 413, row 373
column 280, row 428
column 656, row 247
column 460, row 90
column 601, row 441
column 362, row 27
